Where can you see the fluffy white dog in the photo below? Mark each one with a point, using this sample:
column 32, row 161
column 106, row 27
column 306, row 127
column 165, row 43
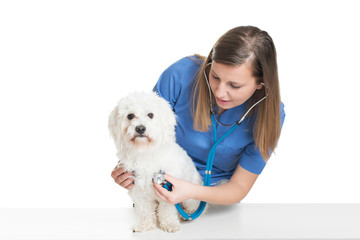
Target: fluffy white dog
column 143, row 128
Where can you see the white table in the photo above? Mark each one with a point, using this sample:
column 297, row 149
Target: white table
column 240, row 221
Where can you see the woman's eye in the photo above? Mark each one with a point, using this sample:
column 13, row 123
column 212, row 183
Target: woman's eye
column 130, row 116
column 233, row 86
column 150, row 115
column 215, row 77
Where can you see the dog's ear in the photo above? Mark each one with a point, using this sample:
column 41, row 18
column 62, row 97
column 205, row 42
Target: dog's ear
column 112, row 124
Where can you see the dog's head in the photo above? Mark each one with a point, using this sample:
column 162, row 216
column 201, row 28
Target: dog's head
column 142, row 120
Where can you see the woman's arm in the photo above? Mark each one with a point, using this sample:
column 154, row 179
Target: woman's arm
column 229, row 193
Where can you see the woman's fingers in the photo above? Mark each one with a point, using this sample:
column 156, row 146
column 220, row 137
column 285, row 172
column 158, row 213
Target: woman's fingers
column 123, row 178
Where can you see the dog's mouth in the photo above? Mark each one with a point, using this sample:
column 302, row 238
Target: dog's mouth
column 140, row 137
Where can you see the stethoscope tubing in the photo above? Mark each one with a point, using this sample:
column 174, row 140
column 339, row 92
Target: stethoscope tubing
column 211, row 155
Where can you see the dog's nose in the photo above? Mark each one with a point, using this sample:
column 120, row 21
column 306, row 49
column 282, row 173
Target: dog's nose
column 140, row 129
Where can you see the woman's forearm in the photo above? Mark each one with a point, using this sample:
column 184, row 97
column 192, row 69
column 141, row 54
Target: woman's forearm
column 229, row 193
column 225, row 194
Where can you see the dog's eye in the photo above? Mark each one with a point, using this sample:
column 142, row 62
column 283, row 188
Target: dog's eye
column 150, row 115
column 130, row 116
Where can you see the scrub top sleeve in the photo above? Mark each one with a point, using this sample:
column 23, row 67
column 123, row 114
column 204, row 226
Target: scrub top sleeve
column 251, row 159
column 169, row 86
column 282, row 114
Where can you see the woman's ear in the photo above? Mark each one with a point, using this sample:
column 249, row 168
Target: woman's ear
column 260, row 86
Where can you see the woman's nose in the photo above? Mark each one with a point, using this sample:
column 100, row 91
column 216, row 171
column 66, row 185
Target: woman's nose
column 220, row 90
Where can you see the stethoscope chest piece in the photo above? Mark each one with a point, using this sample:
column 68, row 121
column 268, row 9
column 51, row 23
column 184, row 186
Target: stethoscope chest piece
column 159, row 178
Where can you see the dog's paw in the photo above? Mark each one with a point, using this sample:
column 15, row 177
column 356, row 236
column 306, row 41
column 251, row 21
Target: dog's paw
column 141, row 227
column 170, row 227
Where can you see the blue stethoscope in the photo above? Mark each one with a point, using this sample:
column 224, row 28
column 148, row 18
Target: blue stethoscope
column 211, row 155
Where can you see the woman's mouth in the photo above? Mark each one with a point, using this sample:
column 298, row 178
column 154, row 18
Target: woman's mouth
column 222, row 102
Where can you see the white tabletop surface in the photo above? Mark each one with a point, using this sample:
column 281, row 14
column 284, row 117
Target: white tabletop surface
column 240, row 221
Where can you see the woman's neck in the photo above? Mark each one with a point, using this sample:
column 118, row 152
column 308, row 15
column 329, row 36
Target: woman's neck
column 221, row 111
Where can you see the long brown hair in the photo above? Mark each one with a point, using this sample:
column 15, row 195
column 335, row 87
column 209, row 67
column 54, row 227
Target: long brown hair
column 240, row 45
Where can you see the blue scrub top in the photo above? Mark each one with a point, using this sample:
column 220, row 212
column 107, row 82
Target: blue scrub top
column 175, row 85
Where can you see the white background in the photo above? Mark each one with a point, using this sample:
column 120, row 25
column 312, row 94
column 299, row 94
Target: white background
column 65, row 64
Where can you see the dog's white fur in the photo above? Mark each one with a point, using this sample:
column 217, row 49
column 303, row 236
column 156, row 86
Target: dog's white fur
column 148, row 153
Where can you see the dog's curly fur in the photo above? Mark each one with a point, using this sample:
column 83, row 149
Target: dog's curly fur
column 143, row 128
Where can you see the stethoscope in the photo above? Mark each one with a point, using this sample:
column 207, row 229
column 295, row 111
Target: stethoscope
column 159, row 178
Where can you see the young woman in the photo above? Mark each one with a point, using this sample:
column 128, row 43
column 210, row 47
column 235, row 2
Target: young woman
column 239, row 77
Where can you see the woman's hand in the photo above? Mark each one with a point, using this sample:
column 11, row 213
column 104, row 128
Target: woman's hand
column 181, row 190
column 124, row 179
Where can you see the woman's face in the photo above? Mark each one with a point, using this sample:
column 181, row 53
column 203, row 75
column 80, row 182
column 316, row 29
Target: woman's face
column 231, row 85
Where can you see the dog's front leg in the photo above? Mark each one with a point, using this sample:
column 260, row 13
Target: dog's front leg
column 168, row 217
column 145, row 211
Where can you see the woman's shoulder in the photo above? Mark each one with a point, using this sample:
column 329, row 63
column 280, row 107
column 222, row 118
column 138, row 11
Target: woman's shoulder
column 183, row 71
column 186, row 64
column 178, row 78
